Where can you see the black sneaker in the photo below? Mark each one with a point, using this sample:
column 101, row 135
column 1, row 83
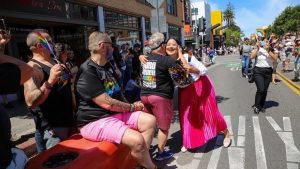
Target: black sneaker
column 263, row 110
column 256, row 110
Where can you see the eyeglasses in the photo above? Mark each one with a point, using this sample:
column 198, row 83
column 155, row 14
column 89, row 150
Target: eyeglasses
column 104, row 42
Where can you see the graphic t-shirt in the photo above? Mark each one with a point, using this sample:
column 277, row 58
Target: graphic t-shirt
column 93, row 80
column 156, row 77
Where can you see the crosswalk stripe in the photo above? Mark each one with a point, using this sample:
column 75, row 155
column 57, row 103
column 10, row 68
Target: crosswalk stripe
column 273, row 123
column 229, row 127
column 292, row 152
column 259, row 145
column 287, row 124
column 214, row 159
column 241, row 131
column 292, row 166
column 236, row 158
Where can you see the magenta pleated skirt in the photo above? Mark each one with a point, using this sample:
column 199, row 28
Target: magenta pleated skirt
column 200, row 118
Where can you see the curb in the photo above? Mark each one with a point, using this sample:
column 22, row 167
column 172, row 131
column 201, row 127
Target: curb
column 289, row 81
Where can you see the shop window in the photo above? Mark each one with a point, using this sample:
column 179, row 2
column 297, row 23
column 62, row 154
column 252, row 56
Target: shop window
column 147, row 25
column 171, row 7
column 174, row 31
column 116, row 19
column 77, row 11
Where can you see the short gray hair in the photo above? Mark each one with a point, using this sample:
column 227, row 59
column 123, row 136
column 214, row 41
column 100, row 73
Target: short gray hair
column 156, row 40
column 95, row 38
column 32, row 38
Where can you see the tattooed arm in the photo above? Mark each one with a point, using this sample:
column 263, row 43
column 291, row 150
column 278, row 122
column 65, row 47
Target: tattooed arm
column 36, row 91
column 108, row 103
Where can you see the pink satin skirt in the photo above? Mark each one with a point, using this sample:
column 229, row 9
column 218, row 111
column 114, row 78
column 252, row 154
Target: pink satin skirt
column 200, row 118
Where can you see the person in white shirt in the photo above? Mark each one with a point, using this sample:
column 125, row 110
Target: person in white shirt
column 262, row 73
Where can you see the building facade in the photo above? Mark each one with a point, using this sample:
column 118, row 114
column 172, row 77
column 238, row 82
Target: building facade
column 202, row 9
column 71, row 21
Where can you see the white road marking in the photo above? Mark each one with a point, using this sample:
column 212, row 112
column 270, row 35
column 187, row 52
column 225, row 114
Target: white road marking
column 242, row 125
column 273, row 123
column 287, row 124
column 241, row 141
column 229, row 126
column 241, row 131
column 292, row 152
column 259, row 145
column 292, row 166
column 236, row 158
column 214, row 159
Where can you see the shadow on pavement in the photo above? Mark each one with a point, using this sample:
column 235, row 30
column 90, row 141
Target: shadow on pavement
column 23, row 138
column 220, row 99
column 271, row 103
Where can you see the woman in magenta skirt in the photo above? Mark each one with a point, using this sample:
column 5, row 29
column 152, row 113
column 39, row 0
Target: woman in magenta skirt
column 200, row 118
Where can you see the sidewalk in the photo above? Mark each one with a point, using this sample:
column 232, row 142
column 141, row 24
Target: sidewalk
column 289, row 75
column 22, row 127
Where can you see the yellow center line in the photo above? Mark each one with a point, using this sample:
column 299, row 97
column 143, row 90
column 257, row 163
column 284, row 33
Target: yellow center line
column 294, row 87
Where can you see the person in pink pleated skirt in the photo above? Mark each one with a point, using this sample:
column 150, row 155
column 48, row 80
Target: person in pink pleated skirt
column 200, row 118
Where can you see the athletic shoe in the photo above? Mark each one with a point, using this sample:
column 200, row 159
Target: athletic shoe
column 164, row 155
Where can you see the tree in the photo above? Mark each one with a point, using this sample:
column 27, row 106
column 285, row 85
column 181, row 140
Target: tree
column 287, row 21
column 228, row 15
column 232, row 31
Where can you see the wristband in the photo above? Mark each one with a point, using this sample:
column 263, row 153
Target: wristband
column 131, row 107
column 48, row 85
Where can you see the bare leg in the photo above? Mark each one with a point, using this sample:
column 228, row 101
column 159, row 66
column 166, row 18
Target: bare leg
column 162, row 138
column 137, row 144
column 273, row 78
column 146, row 126
column 227, row 139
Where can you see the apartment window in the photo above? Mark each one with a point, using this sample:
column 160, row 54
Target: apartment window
column 171, row 7
column 117, row 19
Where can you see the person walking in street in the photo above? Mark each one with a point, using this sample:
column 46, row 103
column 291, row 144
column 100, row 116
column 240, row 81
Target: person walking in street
column 157, row 90
column 246, row 50
column 103, row 114
column 262, row 73
column 48, row 94
column 200, row 118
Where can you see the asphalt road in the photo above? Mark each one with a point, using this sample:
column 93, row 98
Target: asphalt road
column 268, row 140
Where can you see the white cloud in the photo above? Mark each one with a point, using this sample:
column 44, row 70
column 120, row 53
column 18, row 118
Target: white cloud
column 262, row 15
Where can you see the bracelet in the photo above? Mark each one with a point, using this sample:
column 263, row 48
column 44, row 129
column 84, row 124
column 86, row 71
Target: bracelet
column 48, row 85
column 131, row 107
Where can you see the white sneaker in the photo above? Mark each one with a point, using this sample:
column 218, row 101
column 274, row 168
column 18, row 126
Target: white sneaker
column 183, row 149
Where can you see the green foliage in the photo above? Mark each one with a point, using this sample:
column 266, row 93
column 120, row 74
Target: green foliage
column 232, row 37
column 287, row 21
column 233, row 32
column 228, row 15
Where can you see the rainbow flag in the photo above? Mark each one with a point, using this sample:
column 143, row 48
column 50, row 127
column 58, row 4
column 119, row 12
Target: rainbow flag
column 45, row 43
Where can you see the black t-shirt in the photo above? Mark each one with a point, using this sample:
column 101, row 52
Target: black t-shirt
column 57, row 109
column 93, row 80
column 156, row 77
column 10, row 77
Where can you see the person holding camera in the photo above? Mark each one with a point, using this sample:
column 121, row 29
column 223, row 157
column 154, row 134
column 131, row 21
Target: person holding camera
column 48, row 93
column 262, row 73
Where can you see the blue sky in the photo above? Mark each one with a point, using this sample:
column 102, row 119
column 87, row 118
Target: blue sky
column 251, row 14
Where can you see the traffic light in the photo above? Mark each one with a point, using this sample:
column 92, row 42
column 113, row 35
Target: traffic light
column 204, row 24
column 200, row 25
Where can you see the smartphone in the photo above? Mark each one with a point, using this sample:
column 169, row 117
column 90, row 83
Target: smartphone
column 3, row 25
